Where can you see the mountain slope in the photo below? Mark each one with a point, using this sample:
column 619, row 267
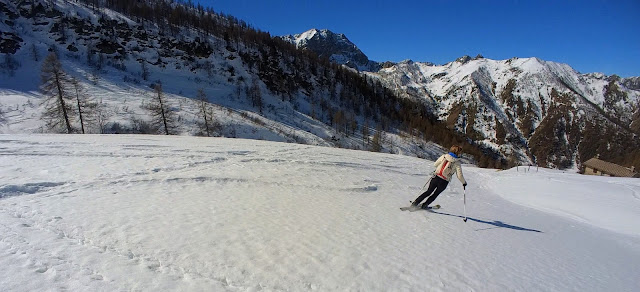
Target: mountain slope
column 527, row 107
column 258, row 86
column 156, row 213
column 504, row 112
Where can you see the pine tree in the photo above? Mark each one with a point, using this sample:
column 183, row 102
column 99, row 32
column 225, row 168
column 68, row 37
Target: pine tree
column 256, row 95
column 84, row 105
column 365, row 134
column 338, row 121
column 353, row 125
column 145, row 70
column 208, row 67
column 377, row 141
column 34, row 53
column 10, row 64
column 90, row 52
column 54, row 86
column 102, row 114
column 207, row 123
column 162, row 115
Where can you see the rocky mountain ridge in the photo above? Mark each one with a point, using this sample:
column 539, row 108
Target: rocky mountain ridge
column 528, row 109
column 335, row 46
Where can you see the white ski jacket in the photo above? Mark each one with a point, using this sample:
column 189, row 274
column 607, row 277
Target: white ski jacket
column 446, row 165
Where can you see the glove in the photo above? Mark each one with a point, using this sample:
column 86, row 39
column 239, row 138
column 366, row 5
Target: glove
column 464, row 186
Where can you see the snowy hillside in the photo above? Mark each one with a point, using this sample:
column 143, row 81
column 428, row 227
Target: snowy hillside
column 118, row 60
column 159, row 213
column 124, row 92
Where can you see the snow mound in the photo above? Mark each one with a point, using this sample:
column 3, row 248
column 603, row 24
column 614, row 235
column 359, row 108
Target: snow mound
column 606, row 202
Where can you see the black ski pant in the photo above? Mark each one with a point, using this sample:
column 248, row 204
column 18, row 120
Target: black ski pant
column 436, row 186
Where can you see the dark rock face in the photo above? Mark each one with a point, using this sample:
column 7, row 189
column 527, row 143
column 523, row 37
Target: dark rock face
column 337, row 47
column 9, row 42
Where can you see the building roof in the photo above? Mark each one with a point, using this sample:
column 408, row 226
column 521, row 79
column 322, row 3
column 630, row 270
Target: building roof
column 609, row 168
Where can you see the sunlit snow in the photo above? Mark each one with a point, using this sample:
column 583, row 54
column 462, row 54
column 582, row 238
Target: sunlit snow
column 154, row 213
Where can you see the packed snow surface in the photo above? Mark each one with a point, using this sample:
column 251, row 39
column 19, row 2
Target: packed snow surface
column 153, row 213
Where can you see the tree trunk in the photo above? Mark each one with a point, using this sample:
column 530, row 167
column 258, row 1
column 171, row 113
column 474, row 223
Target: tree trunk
column 62, row 104
column 79, row 109
column 164, row 118
column 206, row 120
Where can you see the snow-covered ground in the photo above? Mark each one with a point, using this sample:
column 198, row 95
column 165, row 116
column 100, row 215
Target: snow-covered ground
column 155, row 213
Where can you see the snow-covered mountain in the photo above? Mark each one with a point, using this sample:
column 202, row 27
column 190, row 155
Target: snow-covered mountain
column 337, row 47
column 528, row 107
column 506, row 112
column 257, row 86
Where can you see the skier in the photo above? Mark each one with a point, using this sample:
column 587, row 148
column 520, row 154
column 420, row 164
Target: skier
column 446, row 165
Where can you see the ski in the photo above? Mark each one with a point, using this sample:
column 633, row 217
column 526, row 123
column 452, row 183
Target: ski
column 410, row 208
column 418, row 208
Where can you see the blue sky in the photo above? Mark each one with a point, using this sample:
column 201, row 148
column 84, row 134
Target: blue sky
column 590, row 35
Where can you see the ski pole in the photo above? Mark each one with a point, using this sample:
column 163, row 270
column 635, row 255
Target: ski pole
column 464, row 200
column 425, row 184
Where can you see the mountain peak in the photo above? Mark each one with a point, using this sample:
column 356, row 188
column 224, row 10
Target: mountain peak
column 307, row 34
column 464, row 59
column 317, row 35
column 314, row 32
column 335, row 46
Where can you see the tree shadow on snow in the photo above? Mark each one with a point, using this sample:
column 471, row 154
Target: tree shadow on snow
column 497, row 224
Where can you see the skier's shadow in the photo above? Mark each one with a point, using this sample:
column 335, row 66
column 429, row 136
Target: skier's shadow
column 497, row 224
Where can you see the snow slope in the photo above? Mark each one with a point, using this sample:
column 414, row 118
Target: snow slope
column 159, row 213
column 124, row 92
column 121, row 88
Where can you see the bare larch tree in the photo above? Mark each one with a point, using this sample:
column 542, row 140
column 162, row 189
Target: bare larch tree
column 206, row 125
column 162, row 115
column 55, row 83
column 85, row 107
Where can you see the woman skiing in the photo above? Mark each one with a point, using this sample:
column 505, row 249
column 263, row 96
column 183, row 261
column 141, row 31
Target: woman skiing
column 446, row 165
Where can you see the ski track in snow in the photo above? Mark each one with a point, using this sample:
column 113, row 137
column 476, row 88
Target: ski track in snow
column 111, row 213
